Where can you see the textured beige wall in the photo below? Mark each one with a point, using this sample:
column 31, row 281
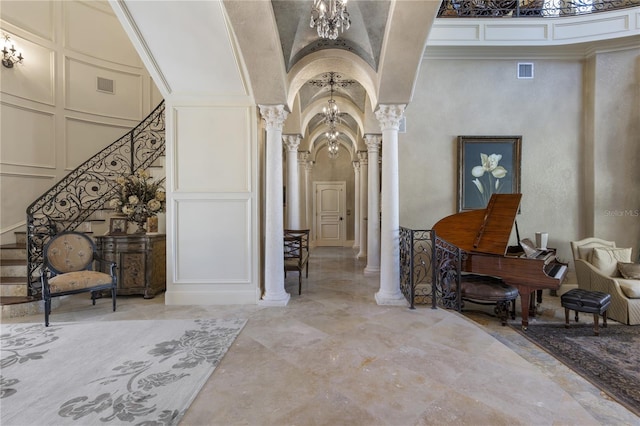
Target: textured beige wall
column 579, row 120
column 616, row 147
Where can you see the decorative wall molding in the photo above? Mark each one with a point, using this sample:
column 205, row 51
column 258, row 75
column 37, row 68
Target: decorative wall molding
column 39, row 146
column 535, row 31
column 27, row 175
column 81, row 95
column 209, row 261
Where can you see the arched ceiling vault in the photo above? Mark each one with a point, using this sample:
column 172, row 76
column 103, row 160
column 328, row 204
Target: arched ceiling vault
column 317, row 138
column 381, row 51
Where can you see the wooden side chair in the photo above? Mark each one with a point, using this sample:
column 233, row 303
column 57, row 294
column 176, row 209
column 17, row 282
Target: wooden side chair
column 296, row 253
column 68, row 269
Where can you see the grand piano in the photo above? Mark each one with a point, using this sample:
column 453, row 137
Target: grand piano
column 483, row 236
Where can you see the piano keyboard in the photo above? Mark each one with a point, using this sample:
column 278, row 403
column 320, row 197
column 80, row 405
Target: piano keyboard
column 557, row 270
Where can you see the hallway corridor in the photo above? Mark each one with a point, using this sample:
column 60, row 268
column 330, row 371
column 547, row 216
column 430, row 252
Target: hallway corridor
column 332, row 356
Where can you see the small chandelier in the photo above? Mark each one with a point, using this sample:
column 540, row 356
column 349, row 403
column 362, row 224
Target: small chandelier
column 331, row 112
column 10, row 55
column 332, row 144
column 330, row 17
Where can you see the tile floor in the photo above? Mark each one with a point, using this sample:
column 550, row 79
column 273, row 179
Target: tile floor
column 334, row 357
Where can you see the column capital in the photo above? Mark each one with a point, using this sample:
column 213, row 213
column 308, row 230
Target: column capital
column 389, row 116
column 373, row 142
column 363, row 157
column 356, row 166
column 309, row 165
column 303, row 156
column 273, row 116
column 292, row 142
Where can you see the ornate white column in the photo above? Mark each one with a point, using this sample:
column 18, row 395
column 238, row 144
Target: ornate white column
column 309, row 195
column 292, row 142
column 274, row 293
column 356, row 204
column 389, row 117
column 373, row 206
column 362, row 156
column 302, row 174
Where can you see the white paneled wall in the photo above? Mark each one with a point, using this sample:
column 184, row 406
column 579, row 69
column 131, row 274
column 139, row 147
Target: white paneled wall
column 213, row 212
column 53, row 115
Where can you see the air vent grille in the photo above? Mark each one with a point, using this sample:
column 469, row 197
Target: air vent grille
column 525, row 70
column 105, row 85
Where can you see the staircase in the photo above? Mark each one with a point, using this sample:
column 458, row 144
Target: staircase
column 14, row 298
column 80, row 202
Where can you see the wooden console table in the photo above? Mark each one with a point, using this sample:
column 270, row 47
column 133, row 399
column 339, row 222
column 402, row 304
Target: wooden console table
column 141, row 262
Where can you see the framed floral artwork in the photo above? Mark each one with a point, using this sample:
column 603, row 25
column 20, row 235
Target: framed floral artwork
column 487, row 165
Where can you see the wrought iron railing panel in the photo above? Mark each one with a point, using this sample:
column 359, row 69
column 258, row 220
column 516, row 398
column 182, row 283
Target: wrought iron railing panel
column 87, row 189
column 416, row 258
column 528, row 8
column 448, row 265
column 426, row 259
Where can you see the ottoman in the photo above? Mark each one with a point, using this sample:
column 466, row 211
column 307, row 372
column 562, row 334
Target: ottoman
column 593, row 302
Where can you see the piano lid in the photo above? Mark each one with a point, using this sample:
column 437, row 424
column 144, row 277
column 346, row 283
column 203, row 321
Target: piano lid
column 482, row 231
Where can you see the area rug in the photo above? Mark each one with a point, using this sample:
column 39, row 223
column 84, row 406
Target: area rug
column 110, row 372
column 610, row 361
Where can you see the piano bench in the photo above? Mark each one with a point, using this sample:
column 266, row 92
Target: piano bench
column 487, row 290
column 593, row 302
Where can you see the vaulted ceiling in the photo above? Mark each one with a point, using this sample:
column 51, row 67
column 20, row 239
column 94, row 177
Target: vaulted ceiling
column 380, row 53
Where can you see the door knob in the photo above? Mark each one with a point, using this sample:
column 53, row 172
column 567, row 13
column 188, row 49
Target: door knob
column 340, row 217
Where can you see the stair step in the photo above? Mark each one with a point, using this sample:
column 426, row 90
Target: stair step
column 13, row 267
column 12, row 307
column 12, row 262
column 13, row 252
column 13, row 286
column 21, row 237
column 14, row 300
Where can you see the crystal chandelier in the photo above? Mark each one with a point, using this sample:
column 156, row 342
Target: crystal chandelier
column 330, row 17
column 331, row 112
column 332, row 144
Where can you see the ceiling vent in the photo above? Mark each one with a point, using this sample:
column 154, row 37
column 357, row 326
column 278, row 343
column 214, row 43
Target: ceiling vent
column 105, row 85
column 525, row 70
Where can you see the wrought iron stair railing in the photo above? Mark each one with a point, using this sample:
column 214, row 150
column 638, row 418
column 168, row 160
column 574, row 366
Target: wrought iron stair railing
column 528, row 8
column 89, row 187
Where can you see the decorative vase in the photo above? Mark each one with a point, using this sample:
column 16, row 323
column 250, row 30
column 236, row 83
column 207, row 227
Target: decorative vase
column 140, row 227
column 140, row 219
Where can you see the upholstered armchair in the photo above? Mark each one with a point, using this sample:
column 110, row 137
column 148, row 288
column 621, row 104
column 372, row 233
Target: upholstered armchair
column 68, row 269
column 601, row 266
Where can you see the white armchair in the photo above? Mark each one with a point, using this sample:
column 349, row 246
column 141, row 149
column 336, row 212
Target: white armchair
column 597, row 270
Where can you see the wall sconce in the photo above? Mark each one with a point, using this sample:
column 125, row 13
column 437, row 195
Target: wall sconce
column 10, row 55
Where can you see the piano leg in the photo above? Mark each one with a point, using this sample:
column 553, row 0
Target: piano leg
column 525, row 300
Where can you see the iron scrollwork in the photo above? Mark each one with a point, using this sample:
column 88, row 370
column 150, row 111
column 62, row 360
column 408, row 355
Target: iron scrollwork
column 430, row 269
column 87, row 189
column 416, row 258
column 528, row 8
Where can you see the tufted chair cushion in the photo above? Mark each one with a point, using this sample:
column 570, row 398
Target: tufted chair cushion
column 78, row 280
column 69, row 253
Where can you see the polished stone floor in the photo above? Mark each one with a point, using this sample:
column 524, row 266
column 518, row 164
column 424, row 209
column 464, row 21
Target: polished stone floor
column 332, row 356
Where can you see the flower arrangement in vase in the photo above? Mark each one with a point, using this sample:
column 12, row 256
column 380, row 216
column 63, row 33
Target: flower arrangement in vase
column 139, row 198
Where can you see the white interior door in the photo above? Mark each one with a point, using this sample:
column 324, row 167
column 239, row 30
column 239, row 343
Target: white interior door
column 329, row 206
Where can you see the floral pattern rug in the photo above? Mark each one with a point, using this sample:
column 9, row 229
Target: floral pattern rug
column 110, row 372
column 610, row 361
